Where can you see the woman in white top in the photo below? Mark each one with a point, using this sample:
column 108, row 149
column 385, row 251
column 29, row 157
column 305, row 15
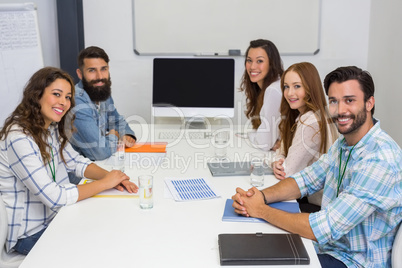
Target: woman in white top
column 35, row 158
column 306, row 129
column 261, row 84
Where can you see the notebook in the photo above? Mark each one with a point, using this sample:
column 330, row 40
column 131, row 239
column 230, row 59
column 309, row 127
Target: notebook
column 262, row 249
column 220, row 169
column 230, row 215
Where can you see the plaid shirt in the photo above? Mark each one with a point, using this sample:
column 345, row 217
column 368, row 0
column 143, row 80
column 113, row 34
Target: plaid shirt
column 31, row 196
column 358, row 227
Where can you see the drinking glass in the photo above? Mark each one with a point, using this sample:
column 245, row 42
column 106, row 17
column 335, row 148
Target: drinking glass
column 257, row 169
column 146, row 191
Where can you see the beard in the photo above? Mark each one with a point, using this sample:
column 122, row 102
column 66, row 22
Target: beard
column 358, row 120
column 95, row 93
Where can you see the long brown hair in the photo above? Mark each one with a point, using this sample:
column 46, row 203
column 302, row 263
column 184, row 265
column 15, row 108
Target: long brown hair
column 315, row 101
column 28, row 113
column 255, row 94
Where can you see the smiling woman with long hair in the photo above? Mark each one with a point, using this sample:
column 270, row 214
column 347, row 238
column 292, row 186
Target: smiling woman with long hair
column 35, row 157
column 306, row 128
column 261, row 84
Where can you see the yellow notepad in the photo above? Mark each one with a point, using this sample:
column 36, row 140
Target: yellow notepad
column 113, row 193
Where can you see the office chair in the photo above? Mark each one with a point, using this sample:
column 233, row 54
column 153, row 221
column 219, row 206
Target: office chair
column 7, row 260
column 397, row 249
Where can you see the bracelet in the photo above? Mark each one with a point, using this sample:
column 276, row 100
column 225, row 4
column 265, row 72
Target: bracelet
column 263, row 195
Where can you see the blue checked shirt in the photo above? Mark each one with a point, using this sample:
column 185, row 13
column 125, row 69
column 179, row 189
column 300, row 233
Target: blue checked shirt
column 31, row 196
column 358, row 227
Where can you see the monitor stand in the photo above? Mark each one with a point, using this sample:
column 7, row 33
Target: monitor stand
column 194, row 123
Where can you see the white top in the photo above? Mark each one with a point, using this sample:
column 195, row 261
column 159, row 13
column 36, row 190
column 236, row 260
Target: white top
column 31, row 196
column 305, row 148
column 268, row 132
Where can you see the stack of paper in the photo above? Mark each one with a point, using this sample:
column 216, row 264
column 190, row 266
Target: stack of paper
column 190, row 189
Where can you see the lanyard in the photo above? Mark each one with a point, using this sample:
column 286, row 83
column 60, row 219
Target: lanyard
column 53, row 171
column 340, row 177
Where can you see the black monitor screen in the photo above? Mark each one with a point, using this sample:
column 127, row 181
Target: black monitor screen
column 195, row 82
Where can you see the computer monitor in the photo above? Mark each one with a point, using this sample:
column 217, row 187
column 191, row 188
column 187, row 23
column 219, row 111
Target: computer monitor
column 193, row 88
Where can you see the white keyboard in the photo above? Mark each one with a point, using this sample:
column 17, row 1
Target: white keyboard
column 172, row 135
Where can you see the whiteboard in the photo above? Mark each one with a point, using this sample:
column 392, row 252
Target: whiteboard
column 223, row 27
column 20, row 53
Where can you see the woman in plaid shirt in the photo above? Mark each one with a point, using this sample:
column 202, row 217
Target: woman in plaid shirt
column 35, row 158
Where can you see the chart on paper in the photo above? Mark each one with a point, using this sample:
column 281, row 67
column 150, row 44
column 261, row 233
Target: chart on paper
column 190, row 189
column 20, row 52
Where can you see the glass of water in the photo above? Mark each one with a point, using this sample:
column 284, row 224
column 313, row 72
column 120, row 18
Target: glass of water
column 119, row 156
column 146, row 191
column 257, row 169
column 221, row 140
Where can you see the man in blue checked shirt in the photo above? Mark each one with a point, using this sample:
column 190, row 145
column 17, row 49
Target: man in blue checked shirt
column 361, row 176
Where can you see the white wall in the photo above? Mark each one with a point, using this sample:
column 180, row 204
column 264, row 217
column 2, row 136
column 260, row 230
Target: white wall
column 384, row 63
column 108, row 24
column 364, row 33
column 47, row 21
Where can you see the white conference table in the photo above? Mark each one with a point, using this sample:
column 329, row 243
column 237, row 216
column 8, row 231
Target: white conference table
column 115, row 232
